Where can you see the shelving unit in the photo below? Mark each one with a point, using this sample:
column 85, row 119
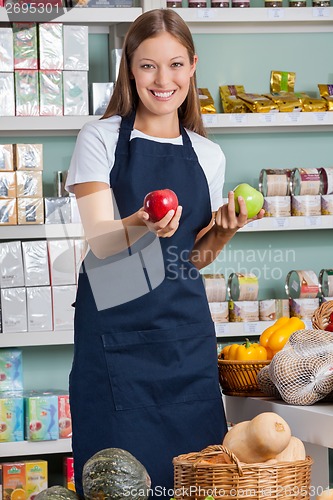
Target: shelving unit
column 21, row 448
column 29, row 339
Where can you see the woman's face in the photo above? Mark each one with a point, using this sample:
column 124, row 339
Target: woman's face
column 162, row 70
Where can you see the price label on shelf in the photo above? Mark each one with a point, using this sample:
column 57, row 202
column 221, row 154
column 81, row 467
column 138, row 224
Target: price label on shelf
column 312, row 220
column 209, row 120
column 276, row 13
column 205, row 13
column 268, row 117
column 252, row 327
column 281, row 222
column 221, row 329
column 293, row 117
column 320, row 117
column 320, row 12
column 239, row 118
column 252, row 225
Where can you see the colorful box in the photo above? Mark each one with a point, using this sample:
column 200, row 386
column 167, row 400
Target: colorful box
column 41, row 416
column 11, row 417
column 13, row 481
column 25, row 45
column 69, row 482
column 64, row 414
column 36, row 477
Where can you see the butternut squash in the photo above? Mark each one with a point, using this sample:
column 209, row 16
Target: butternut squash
column 259, row 439
column 294, row 451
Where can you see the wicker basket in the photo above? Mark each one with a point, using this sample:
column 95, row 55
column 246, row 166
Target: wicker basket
column 320, row 318
column 239, row 378
column 194, row 479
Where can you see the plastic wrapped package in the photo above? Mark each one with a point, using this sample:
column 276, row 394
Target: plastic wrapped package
column 76, row 49
column 41, row 416
column 30, row 211
column 57, row 210
column 75, row 93
column 14, row 310
column 7, row 94
column 7, row 185
column 6, row 157
column 11, row 264
column 28, row 156
column 99, row 97
column 25, row 45
column 8, row 212
column 63, row 311
column 36, row 264
column 11, row 416
column 27, row 92
column 29, row 184
column 39, row 308
column 51, row 46
column 6, row 49
column 115, row 63
column 62, row 262
column 51, row 98
column 11, row 370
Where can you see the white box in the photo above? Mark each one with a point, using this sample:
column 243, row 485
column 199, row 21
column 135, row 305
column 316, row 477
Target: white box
column 62, row 262
column 51, row 46
column 39, row 307
column 11, row 264
column 76, row 47
column 80, row 250
column 36, row 264
column 75, row 214
column 7, row 49
column 63, row 310
column 14, row 310
column 99, row 97
column 75, row 89
column 57, row 210
column 7, row 95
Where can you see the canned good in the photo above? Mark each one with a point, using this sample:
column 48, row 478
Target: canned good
column 240, row 3
column 219, row 311
column 174, row 4
column 303, row 308
column 196, row 3
column 243, row 311
column 219, row 4
column 273, row 3
column 216, row 287
column 277, row 206
column 274, row 182
column 297, row 3
column 321, row 3
column 326, row 282
column 302, row 284
column 306, row 181
column 327, row 175
column 306, row 205
column 272, row 309
column 243, row 286
column 327, row 204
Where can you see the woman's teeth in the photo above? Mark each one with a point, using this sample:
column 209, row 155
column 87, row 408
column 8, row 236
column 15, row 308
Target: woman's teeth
column 163, row 94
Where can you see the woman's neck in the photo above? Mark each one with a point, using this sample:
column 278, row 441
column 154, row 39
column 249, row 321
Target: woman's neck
column 165, row 126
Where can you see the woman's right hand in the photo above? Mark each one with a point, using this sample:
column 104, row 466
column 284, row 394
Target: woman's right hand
column 165, row 227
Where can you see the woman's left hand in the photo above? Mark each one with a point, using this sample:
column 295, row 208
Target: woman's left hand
column 226, row 218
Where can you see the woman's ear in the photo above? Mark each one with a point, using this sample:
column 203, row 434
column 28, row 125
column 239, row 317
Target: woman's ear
column 194, row 65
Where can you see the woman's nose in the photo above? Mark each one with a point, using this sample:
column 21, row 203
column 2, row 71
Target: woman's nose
column 162, row 77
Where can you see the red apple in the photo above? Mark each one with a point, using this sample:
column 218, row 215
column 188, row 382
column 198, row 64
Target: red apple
column 158, row 203
column 329, row 327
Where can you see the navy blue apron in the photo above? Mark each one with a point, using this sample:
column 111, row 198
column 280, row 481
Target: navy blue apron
column 144, row 375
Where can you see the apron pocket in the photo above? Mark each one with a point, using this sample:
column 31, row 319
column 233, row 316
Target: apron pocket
column 164, row 366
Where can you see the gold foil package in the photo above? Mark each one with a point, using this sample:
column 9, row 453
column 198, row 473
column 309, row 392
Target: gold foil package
column 229, row 99
column 282, row 81
column 257, row 103
column 206, row 101
column 287, row 102
column 326, row 92
column 313, row 104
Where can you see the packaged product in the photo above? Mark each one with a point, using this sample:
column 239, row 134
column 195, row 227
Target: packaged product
column 69, row 473
column 101, row 3
column 282, row 81
column 63, row 310
column 51, row 46
column 14, row 310
column 27, row 92
column 327, row 204
column 39, row 308
column 243, row 286
column 64, row 413
column 30, row 211
column 206, row 101
column 327, row 177
column 326, row 92
column 57, row 210
column 287, row 102
column 7, row 94
column 230, row 102
column 76, row 52
column 11, row 417
column 28, row 156
column 8, row 212
column 36, row 264
column 29, row 184
column 115, row 63
column 75, row 84
column 62, row 262
column 99, row 97
column 216, row 287
column 219, row 311
column 11, row 374
column 273, row 309
column 6, row 157
column 309, row 205
column 7, row 185
column 41, row 416
column 25, row 45
column 243, row 310
column 36, row 477
column 312, row 104
column 11, row 264
column 51, row 93
column 6, row 50
column 257, row 103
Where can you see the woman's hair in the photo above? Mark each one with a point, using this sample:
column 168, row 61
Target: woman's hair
column 125, row 97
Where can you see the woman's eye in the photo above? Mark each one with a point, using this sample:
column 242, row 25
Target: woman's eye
column 177, row 64
column 147, row 66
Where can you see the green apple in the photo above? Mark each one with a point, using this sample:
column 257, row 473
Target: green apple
column 254, row 200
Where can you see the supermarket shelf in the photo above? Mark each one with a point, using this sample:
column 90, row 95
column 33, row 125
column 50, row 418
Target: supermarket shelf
column 290, row 223
column 44, row 231
column 246, row 329
column 28, row 339
column 259, row 20
column 226, row 123
column 20, row 448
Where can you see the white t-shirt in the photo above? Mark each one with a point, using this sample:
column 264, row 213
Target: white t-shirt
column 94, row 156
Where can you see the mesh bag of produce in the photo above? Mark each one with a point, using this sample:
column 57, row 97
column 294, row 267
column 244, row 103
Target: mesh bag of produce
column 302, row 371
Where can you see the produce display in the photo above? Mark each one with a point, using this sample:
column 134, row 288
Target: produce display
column 276, row 336
column 115, row 473
column 254, row 200
column 158, row 203
column 244, row 352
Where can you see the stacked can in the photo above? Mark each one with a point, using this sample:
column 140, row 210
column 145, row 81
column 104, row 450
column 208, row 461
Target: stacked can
column 243, row 297
column 302, row 288
column 306, row 190
column 274, row 184
column 216, row 290
column 326, row 284
column 273, row 309
column 327, row 192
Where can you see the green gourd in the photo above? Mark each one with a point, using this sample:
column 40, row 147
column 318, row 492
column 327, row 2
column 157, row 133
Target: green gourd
column 114, row 473
column 56, row 493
